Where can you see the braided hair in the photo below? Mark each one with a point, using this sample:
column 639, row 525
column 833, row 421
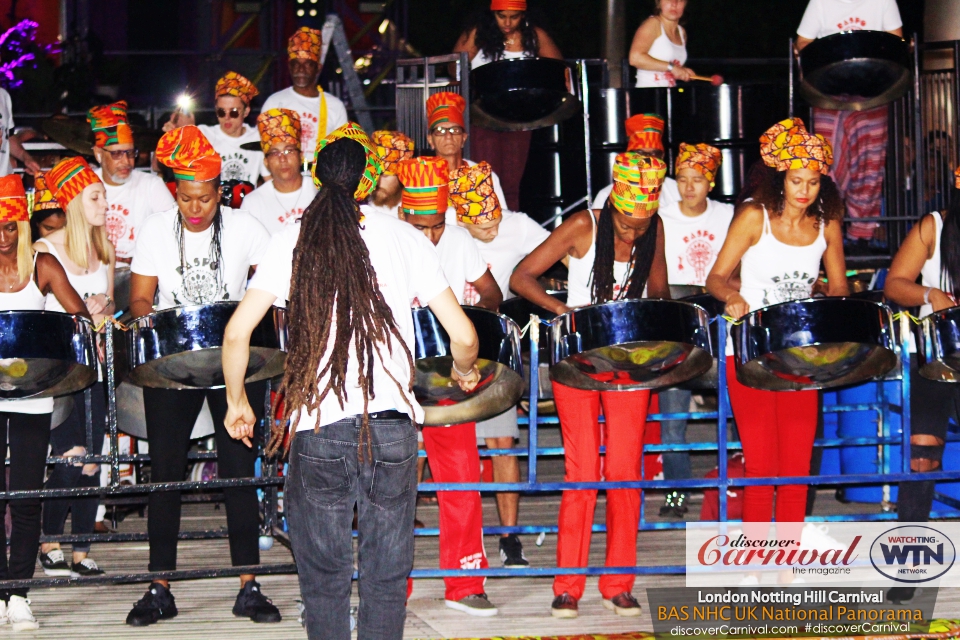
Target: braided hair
column 641, row 259
column 489, row 38
column 336, row 293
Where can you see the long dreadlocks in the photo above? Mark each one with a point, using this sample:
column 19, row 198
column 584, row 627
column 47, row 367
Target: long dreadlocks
column 641, row 258
column 335, row 290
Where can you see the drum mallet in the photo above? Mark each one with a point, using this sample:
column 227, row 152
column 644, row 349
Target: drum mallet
column 715, row 80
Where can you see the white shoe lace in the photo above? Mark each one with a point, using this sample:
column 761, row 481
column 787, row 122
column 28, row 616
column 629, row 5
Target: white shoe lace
column 55, row 556
column 90, row 564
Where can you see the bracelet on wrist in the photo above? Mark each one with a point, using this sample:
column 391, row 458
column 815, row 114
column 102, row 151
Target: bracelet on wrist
column 926, row 295
column 461, row 373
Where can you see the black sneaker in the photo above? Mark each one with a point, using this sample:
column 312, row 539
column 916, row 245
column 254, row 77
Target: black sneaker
column 86, row 567
column 511, row 552
column 54, row 564
column 251, row 603
column 675, row 505
column 156, row 604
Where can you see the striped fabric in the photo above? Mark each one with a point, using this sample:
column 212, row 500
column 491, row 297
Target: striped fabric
column 13, row 200
column 860, row 154
column 68, row 178
column 425, row 183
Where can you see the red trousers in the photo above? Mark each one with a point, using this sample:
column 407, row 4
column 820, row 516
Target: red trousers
column 452, row 454
column 777, row 429
column 626, row 414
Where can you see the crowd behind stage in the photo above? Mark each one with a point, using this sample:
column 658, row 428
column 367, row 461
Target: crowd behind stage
column 350, row 229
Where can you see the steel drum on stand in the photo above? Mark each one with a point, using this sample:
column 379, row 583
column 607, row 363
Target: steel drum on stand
column 521, row 94
column 938, row 346
column 519, row 310
column 501, row 371
column 713, row 308
column 814, row 344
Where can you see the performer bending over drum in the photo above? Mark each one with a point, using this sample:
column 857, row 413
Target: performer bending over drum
column 47, row 216
column 930, row 252
column 452, row 449
column 391, row 147
column 88, row 258
column 778, row 240
column 644, row 136
column 25, row 279
column 197, row 253
column 349, row 387
column 615, row 254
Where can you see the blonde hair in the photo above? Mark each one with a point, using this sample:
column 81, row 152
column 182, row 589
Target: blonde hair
column 80, row 234
column 24, row 251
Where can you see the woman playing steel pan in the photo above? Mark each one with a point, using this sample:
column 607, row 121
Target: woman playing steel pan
column 615, row 253
column 197, row 253
column 779, row 239
column 932, row 252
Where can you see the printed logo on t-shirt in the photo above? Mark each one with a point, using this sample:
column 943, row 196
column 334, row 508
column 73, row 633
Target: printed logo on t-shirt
column 699, row 253
column 119, row 230
column 201, row 283
column 308, row 129
column 790, row 286
column 234, row 166
column 853, row 23
column 289, row 217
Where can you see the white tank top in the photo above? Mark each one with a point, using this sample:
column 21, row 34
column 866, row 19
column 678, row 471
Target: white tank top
column 27, row 299
column 88, row 284
column 481, row 59
column 663, row 49
column 580, row 275
column 930, row 272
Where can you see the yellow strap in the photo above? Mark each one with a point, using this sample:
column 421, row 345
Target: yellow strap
column 322, row 122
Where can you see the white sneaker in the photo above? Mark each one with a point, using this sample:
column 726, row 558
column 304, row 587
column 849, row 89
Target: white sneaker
column 749, row 580
column 815, row 536
column 19, row 615
column 3, row 612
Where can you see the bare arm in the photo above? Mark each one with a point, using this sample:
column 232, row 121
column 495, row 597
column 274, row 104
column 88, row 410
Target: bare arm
column 489, row 290
column 917, row 248
column 744, row 233
column 657, row 286
column 640, row 57
column 801, row 43
column 466, row 42
column 464, row 343
column 53, row 279
column 21, row 154
column 143, row 289
column 833, row 261
column 548, row 48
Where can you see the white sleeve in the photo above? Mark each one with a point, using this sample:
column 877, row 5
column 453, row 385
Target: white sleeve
column 498, row 189
column 9, row 105
column 144, row 262
column 891, row 16
column 810, row 24
column 336, row 115
column 533, row 235
column 428, row 280
column 160, row 198
column 259, row 239
column 274, row 269
column 474, row 266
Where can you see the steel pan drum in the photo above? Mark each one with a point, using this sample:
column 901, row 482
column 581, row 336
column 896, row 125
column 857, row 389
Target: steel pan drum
column 630, row 344
column 501, row 371
column 132, row 419
column 814, row 344
column 179, row 348
column 854, row 70
column 519, row 310
column 521, row 94
column 45, row 354
column 938, row 346
column 714, row 308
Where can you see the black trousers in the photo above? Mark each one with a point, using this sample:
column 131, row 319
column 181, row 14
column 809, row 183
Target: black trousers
column 170, row 418
column 27, row 435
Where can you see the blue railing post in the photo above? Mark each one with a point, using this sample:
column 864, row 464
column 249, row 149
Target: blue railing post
column 534, row 397
column 723, row 413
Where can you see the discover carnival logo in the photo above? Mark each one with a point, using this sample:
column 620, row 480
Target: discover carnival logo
column 913, row 554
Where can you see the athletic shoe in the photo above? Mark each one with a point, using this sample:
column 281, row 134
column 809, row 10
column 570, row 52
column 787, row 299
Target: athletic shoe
column 156, row 604
column 86, row 567
column 816, row 536
column 251, row 603
column 564, row 606
column 54, row 564
column 511, row 552
column 3, row 612
column 900, row 595
column 19, row 615
column 623, row 604
column 474, row 605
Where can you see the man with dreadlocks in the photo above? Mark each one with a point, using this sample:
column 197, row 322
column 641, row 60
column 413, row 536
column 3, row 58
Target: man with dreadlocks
column 349, row 386
column 615, row 253
column 197, row 253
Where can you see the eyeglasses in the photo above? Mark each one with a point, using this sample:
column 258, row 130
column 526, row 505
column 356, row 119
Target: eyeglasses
column 282, row 154
column 234, row 113
column 455, row 130
column 126, row 153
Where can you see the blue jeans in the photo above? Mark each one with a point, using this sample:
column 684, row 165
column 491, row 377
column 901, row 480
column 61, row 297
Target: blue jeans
column 676, row 466
column 325, row 481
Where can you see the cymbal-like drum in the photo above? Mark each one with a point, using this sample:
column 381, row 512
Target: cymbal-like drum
column 818, row 343
column 714, row 308
column 180, row 348
column 630, row 344
column 519, row 310
column 521, row 94
column 938, row 346
column 45, row 354
column 501, row 371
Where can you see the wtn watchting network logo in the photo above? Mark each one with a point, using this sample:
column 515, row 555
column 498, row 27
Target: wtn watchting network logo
column 912, row 554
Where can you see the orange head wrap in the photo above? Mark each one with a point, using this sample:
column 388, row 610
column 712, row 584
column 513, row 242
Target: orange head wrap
column 188, row 152
column 277, row 126
column 425, row 185
column 788, row 145
column 392, row 147
column 508, row 5
column 702, row 157
column 234, row 84
column 956, row 175
column 445, row 108
column 637, row 180
column 109, row 124
column 13, row 200
column 471, row 192
column 305, row 44
column 68, row 178
column 372, row 169
column 644, row 131
column 42, row 196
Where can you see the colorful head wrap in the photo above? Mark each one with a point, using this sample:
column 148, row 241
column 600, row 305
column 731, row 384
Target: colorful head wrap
column 234, row 84
column 644, row 131
column 277, row 126
column 637, row 180
column 109, row 124
column 373, row 168
column 392, row 147
column 956, row 175
column 471, row 192
column 702, row 157
column 445, row 107
column 13, row 200
column 68, row 178
column 788, row 145
column 425, row 185
column 508, row 5
column 188, row 152
column 42, row 196
column 305, row 44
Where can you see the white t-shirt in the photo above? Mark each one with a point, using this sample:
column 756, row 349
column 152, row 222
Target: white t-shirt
column 276, row 210
column 517, row 237
column 369, row 207
column 407, row 268
column 238, row 164
column 243, row 241
column 129, row 204
column 460, row 260
column 691, row 245
column 309, row 110
column 669, row 194
column 6, row 129
column 827, row 17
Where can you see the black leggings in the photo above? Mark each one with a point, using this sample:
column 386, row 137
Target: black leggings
column 28, row 435
column 170, row 418
column 73, row 433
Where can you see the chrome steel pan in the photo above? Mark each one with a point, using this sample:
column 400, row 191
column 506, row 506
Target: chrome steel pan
column 45, row 354
column 630, row 344
column 713, row 308
column 132, row 418
column 180, row 348
column 519, row 310
column 521, row 94
column 501, row 371
column 938, row 346
column 814, row 344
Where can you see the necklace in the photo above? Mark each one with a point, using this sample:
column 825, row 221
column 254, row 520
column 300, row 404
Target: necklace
column 296, row 204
